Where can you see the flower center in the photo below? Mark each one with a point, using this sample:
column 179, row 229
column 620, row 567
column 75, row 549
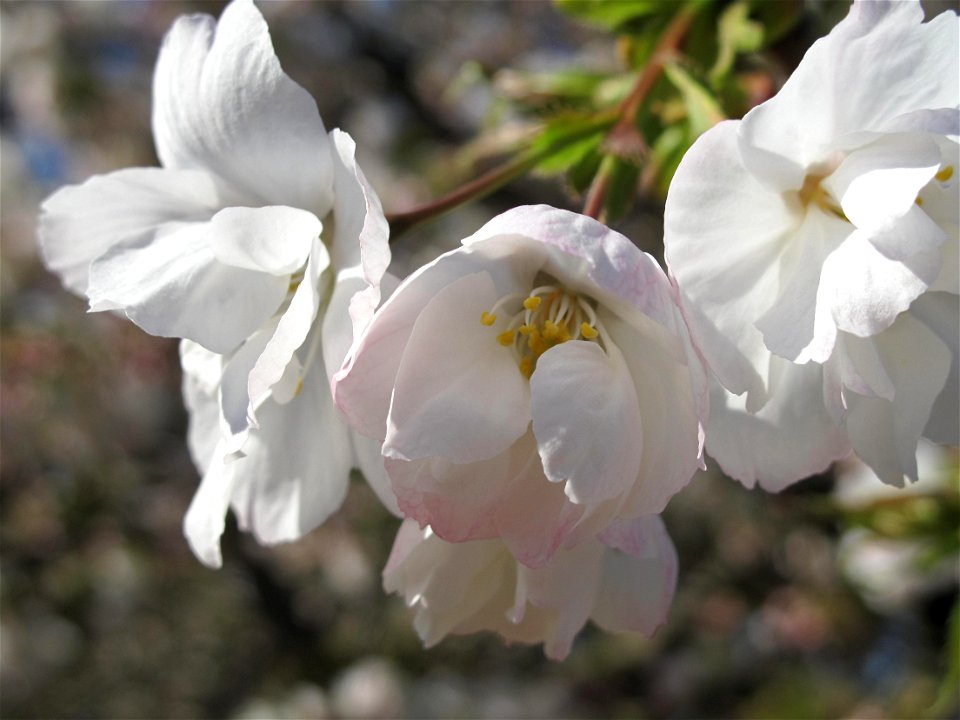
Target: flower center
column 814, row 193
column 548, row 316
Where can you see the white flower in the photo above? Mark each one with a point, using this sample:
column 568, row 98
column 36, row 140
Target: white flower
column 623, row 581
column 815, row 246
column 256, row 242
column 532, row 385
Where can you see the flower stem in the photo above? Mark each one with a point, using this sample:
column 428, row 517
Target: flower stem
column 496, row 178
column 626, row 127
column 597, row 193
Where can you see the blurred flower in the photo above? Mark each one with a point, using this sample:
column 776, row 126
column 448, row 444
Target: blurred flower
column 532, row 385
column 623, row 580
column 815, row 246
column 898, row 553
column 256, row 242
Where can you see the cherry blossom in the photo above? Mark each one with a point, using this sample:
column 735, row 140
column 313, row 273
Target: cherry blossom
column 533, row 385
column 815, row 247
column 261, row 244
column 624, row 581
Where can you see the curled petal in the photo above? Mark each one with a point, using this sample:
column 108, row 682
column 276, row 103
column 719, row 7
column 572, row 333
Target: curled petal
column 221, row 102
column 174, row 286
column 638, row 578
column 292, row 330
column 795, row 327
column 792, row 437
column 873, row 277
column 723, row 237
column 885, row 433
column 850, row 81
column 458, row 392
column 362, row 388
column 586, row 420
column 275, row 240
column 288, row 483
column 79, row 223
column 589, row 257
column 670, row 412
column 879, row 183
column 360, row 233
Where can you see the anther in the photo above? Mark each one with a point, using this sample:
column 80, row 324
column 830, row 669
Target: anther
column 526, row 366
column 588, row 331
column 532, row 303
column 487, row 318
column 945, row 174
column 507, row 337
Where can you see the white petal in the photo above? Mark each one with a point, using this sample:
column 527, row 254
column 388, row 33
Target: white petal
column 449, row 584
column 587, row 256
column 458, row 392
column 362, row 388
column 296, row 467
column 360, row 233
column 669, row 412
column 79, row 223
column 940, row 312
column 201, row 378
column 874, row 276
column 851, row 81
column 221, row 102
column 639, row 577
column 723, row 237
column 293, row 328
column 878, row 183
column 276, row 240
column 586, row 420
column 794, row 327
column 885, row 434
column 173, row 286
column 790, row 438
column 367, row 458
column 567, row 588
column 234, row 398
column 204, row 522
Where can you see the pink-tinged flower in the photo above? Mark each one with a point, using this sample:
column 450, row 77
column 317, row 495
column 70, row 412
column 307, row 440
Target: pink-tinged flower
column 261, row 244
column 623, row 580
column 815, row 247
column 533, row 385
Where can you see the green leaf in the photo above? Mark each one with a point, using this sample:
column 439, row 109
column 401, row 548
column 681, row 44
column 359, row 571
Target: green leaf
column 736, row 33
column 564, row 159
column 703, row 110
column 665, row 156
column 541, row 87
column 582, row 173
column 611, row 14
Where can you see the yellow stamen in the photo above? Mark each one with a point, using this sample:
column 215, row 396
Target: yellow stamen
column 945, row 174
column 536, row 343
column 526, row 366
column 531, row 303
column 507, row 337
column 919, row 201
column 487, row 319
column 588, row 331
column 550, row 330
column 526, row 329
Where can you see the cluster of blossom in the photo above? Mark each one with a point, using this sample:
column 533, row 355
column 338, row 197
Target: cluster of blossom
column 530, row 401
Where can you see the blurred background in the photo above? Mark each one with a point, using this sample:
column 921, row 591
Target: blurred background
column 832, row 599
